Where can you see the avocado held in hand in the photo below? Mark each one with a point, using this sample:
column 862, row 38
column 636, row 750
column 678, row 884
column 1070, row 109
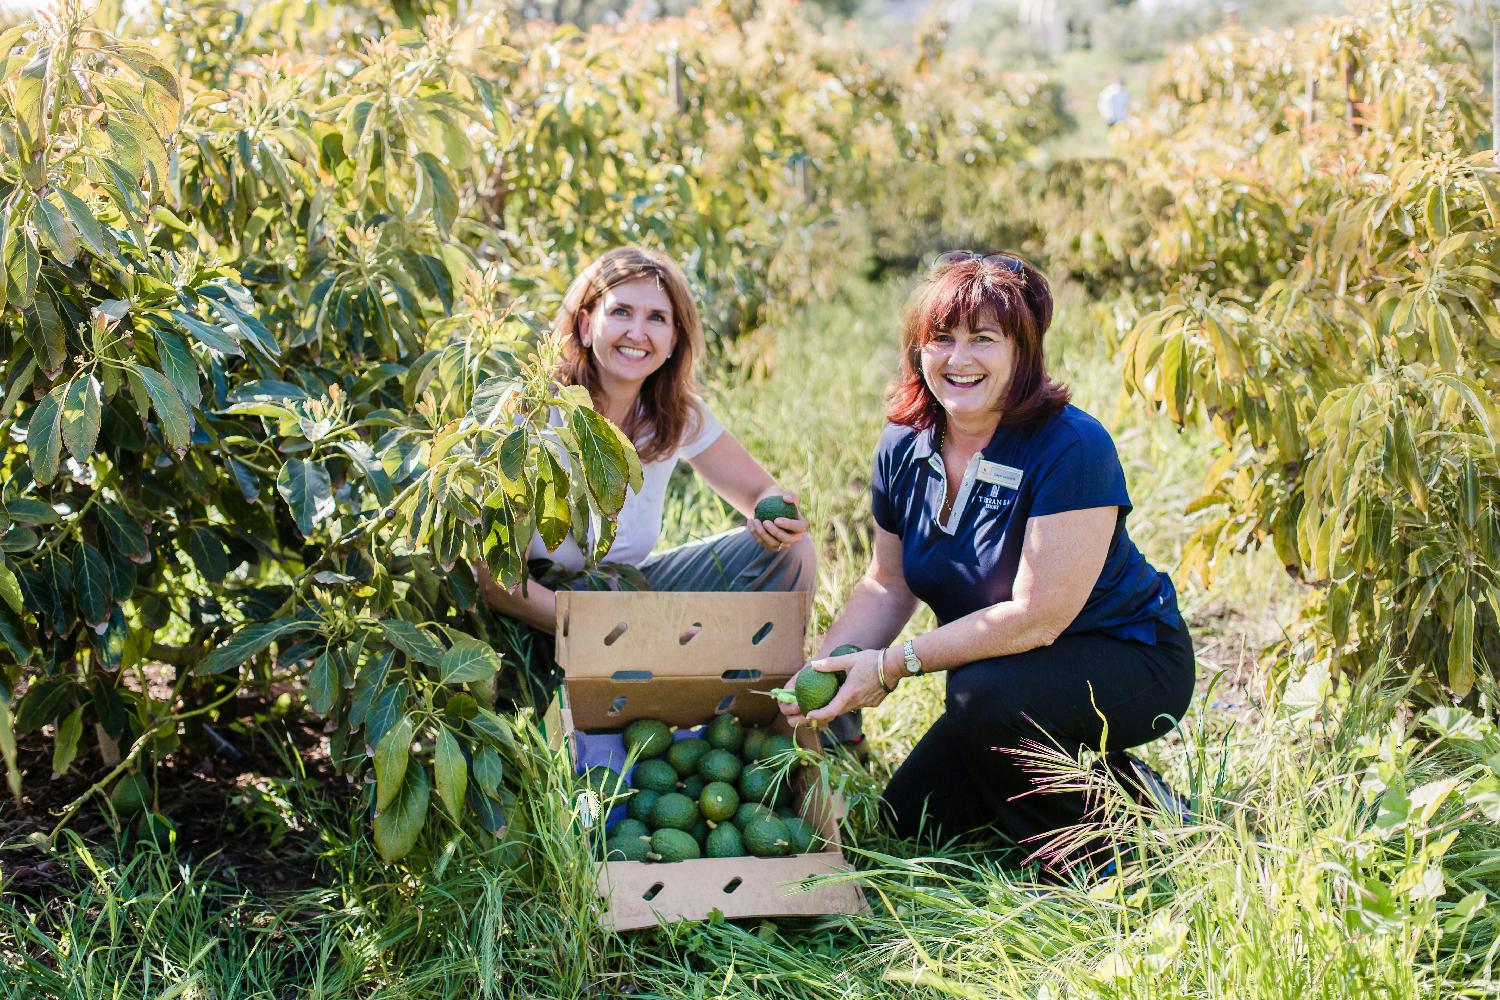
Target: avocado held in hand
column 771, row 508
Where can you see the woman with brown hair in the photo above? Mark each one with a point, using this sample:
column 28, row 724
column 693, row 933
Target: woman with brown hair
column 631, row 336
column 1003, row 508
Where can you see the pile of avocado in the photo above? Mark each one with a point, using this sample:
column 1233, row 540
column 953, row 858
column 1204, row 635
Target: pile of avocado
column 709, row 796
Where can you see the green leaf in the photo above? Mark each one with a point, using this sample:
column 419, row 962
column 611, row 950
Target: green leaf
column 488, row 771
column 308, row 492
column 10, row 588
column 13, row 635
column 65, row 747
column 553, row 516
column 414, row 641
column 604, row 465
column 92, row 585
column 179, row 365
column 96, row 237
column 397, row 828
column 322, row 683
column 491, row 399
column 125, row 534
column 56, row 231
column 251, row 641
column 46, row 335
column 176, row 421
column 44, row 436
column 1461, row 647
column 391, row 756
column 469, row 660
column 451, row 771
column 210, row 336
column 81, row 411
column 444, row 197
column 208, row 553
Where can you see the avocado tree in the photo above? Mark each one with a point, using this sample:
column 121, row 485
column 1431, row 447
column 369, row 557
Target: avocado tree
column 1331, row 309
column 264, row 411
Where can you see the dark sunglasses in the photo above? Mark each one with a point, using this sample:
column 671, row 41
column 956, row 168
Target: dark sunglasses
column 1008, row 261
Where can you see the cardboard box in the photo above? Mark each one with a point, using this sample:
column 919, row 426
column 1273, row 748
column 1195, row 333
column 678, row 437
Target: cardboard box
column 682, row 658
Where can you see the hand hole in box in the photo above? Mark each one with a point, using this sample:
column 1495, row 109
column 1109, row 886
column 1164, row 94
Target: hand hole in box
column 733, row 884
column 761, row 633
column 616, row 706
column 689, row 633
column 567, row 620
column 615, row 633
column 650, row 893
column 630, row 675
column 741, row 675
column 724, row 704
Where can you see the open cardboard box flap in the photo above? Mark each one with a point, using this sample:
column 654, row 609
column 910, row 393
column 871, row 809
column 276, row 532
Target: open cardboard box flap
column 718, row 648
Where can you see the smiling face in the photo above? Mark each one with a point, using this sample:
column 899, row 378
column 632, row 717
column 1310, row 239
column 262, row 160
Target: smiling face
column 629, row 332
column 969, row 369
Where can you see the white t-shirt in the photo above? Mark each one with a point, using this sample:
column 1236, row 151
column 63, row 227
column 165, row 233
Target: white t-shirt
column 640, row 519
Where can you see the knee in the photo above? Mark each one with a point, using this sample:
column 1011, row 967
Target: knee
column 980, row 708
column 801, row 562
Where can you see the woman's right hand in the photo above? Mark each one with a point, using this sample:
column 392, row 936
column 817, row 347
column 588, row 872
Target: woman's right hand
column 861, row 688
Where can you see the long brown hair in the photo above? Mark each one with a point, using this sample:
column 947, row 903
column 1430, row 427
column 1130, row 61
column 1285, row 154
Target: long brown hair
column 961, row 294
column 667, row 405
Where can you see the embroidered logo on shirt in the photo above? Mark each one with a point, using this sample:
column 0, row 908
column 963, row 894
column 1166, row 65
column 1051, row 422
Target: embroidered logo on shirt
column 1001, row 475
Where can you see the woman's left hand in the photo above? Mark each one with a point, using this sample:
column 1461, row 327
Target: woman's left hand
column 861, row 688
column 781, row 532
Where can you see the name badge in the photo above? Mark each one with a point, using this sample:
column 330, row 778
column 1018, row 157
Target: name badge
column 1001, row 475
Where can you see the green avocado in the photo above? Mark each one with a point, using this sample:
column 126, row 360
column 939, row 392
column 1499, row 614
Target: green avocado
column 816, row 689
column 725, row 732
column 767, row 837
column 801, row 834
column 718, row 801
column 725, row 841
column 685, row 754
column 640, row 805
column 771, row 508
column 647, row 738
column 674, row 810
column 656, row 775
column 626, row 847
column 750, row 811
column 130, row 794
column 673, row 845
column 720, row 765
column 753, row 740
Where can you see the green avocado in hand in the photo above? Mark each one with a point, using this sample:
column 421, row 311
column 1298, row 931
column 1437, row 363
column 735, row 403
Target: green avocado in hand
column 771, row 508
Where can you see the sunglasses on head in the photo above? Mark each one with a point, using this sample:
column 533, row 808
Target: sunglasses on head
column 1008, row 261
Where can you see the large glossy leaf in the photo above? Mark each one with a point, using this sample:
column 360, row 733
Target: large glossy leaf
column 44, row 436
column 82, row 409
column 308, row 492
column 56, row 231
column 251, row 641
column 92, row 585
column 469, row 660
column 179, row 365
column 391, row 756
column 10, row 588
column 322, row 683
column 208, row 553
column 166, row 401
column 451, row 771
column 398, row 826
column 96, row 237
column 8, row 751
column 65, row 745
column 414, row 641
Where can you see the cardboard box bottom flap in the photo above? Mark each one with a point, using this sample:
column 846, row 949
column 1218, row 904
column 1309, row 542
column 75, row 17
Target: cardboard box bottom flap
column 642, row 893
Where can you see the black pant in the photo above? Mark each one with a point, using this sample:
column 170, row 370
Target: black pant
column 964, row 775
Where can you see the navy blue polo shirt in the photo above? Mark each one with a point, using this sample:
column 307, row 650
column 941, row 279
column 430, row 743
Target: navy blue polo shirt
column 1068, row 462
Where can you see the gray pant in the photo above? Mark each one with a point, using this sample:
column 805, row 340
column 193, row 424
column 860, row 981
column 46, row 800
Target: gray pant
column 734, row 561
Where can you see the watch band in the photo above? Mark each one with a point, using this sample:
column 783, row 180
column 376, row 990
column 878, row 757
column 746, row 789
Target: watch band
column 913, row 662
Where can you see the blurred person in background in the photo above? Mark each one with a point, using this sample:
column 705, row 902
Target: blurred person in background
column 1114, row 103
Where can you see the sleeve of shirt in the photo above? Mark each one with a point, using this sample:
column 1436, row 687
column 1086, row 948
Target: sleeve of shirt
column 882, row 477
column 1084, row 472
column 703, row 432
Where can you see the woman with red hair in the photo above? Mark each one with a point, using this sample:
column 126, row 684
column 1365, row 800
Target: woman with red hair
column 1003, row 507
column 631, row 336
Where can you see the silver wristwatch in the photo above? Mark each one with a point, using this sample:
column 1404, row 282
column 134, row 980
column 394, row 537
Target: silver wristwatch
column 913, row 664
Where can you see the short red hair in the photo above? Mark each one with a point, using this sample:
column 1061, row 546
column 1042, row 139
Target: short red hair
column 962, row 294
